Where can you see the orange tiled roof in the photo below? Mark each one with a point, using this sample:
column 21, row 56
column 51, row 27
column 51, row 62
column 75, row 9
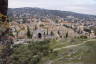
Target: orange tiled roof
column 66, row 22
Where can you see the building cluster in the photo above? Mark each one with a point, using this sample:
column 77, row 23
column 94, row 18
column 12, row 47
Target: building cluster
column 49, row 28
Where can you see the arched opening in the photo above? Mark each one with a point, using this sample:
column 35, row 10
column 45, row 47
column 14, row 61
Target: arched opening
column 52, row 33
column 39, row 35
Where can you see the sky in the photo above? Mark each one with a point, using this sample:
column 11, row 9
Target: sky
column 80, row 6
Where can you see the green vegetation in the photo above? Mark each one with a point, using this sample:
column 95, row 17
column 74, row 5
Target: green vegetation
column 83, row 54
column 66, row 42
column 80, row 54
column 42, row 52
column 83, row 37
column 89, row 56
column 30, row 53
column 94, row 29
column 29, row 34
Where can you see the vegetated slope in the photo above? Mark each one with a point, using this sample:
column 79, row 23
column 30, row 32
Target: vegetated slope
column 45, row 12
column 82, row 54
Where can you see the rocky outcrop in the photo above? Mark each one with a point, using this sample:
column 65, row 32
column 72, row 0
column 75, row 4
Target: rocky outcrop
column 41, row 30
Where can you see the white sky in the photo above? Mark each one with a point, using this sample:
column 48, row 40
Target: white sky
column 80, row 6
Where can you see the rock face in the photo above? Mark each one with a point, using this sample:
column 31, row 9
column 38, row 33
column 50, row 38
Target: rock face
column 19, row 31
column 41, row 30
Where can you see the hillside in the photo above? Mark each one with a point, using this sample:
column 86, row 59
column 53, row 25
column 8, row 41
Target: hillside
column 48, row 13
column 83, row 53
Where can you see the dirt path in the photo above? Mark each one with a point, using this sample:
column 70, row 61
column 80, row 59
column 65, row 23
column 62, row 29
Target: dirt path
column 70, row 46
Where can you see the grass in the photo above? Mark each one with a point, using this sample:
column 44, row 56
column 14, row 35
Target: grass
column 82, row 54
column 59, row 44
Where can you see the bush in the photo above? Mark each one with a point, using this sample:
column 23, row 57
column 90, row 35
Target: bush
column 83, row 37
column 31, row 53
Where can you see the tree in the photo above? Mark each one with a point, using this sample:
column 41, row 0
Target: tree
column 29, row 34
column 83, row 37
column 34, row 52
column 66, row 35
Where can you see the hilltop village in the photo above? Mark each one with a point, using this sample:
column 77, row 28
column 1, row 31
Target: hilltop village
column 39, row 36
column 35, row 23
column 47, row 28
